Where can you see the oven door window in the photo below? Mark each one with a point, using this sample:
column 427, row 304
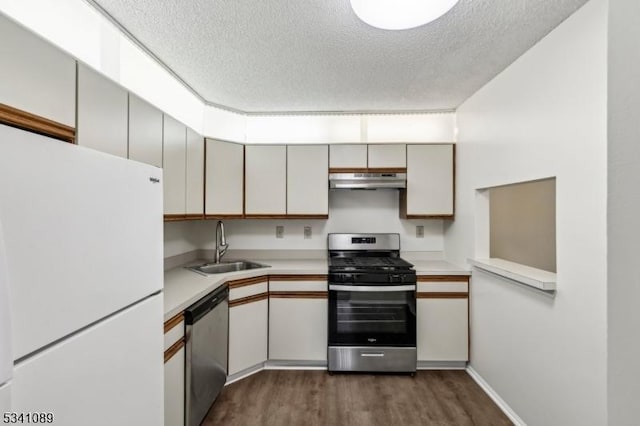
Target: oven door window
column 372, row 318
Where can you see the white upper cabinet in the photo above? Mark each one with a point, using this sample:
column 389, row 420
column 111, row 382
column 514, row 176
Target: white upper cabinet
column 195, row 173
column 224, row 178
column 145, row 132
column 348, row 156
column 174, row 166
column 387, row 156
column 34, row 76
column 307, row 180
column 265, row 180
column 102, row 113
column 430, row 181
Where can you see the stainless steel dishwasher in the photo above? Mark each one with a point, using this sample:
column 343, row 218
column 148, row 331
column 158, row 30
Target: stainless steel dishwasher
column 207, row 325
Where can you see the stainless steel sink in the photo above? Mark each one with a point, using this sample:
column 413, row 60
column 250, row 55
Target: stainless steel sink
column 222, row 267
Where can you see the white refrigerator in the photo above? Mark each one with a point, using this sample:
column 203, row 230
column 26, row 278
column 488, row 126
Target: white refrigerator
column 81, row 280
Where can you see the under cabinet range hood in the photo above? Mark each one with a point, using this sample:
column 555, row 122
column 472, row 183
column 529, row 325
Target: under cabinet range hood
column 379, row 180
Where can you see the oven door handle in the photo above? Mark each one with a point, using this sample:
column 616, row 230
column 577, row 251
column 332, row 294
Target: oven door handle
column 372, row 288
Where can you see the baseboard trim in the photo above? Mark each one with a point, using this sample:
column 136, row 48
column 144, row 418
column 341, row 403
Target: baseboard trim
column 244, row 373
column 495, row 397
column 295, row 365
column 442, row 365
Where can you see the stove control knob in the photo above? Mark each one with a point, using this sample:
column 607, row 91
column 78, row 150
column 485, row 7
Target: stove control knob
column 395, row 278
column 347, row 278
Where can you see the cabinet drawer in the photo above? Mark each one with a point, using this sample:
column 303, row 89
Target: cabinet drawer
column 247, row 287
column 443, row 284
column 173, row 330
column 297, row 283
column 443, row 287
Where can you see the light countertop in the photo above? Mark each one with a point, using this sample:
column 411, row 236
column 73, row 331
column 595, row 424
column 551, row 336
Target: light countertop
column 183, row 287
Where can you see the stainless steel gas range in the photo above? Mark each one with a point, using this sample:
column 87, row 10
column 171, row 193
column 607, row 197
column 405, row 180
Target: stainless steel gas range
column 372, row 305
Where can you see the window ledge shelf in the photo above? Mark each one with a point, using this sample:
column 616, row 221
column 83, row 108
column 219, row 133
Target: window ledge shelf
column 537, row 278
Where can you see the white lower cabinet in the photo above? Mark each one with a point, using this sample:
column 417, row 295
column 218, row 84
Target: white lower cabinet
column 174, row 389
column 442, row 320
column 442, row 330
column 298, row 318
column 247, row 335
column 248, row 323
column 174, row 364
column 297, row 329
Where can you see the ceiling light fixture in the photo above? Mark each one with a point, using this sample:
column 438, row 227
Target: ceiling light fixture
column 400, row 14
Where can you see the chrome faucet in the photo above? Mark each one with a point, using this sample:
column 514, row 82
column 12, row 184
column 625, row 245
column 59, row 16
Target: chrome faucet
column 221, row 242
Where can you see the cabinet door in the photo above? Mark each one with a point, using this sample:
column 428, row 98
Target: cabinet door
column 145, row 132
column 430, row 177
column 442, row 329
column 195, row 173
column 297, row 329
column 307, row 179
column 174, row 389
column 265, row 180
column 247, row 335
column 35, row 76
column 224, row 178
column 348, row 156
column 387, row 156
column 102, row 113
column 174, row 166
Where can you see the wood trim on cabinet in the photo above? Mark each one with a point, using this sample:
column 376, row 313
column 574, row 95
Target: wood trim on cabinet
column 442, row 295
column 387, row 170
column 299, row 294
column 368, row 170
column 348, row 170
column 306, row 216
column 173, row 349
column 248, row 281
column 174, row 217
column 297, row 278
column 249, row 299
column 440, row 278
column 428, row 216
column 223, row 216
column 172, row 322
column 34, row 123
column 402, row 202
column 286, row 216
column 265, row 216
column 193, row 217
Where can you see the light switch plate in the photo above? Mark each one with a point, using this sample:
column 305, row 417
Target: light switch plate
column 307, row 232
column 420, row 231
column 279, row 231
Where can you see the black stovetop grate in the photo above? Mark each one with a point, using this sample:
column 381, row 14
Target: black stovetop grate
column 368, row 262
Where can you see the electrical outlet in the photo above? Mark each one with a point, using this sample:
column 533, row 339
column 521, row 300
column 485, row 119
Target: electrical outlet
column 279, row 231
column 420, row 231
column 307, row 232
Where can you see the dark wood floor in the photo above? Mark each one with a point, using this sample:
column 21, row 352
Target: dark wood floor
column 285, row 397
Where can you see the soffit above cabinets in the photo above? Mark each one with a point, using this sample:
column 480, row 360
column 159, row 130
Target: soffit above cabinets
column 317, row 56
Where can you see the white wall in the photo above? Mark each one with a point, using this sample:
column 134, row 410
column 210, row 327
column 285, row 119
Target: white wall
column 545, row 115
column 179, row 238
column 623, row 213
column 351, row 128
column 349, row 211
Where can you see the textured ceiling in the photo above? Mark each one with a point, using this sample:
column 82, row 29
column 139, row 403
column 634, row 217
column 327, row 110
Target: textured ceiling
column 316, row 55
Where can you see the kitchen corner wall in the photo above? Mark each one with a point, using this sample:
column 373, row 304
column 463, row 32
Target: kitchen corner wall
column 349, row 211
column 623, row 282
column 545, row 115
